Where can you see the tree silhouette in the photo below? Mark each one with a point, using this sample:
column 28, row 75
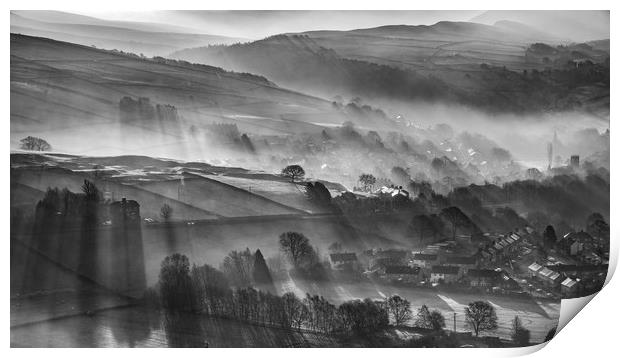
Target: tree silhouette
column 455, row 217
column 90, row 191
column 34, row 143
column 549, row 236
column 260, row 272
column 295, row 172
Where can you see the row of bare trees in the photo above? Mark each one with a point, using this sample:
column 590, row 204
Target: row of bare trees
column 204, row 289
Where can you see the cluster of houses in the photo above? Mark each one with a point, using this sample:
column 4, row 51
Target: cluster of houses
column 393, row 191
column 448, row 262
column 581, row 246
column 570, row 280
column 437, row 264
column 502, row 247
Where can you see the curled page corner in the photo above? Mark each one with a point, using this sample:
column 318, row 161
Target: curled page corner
column 570, row 307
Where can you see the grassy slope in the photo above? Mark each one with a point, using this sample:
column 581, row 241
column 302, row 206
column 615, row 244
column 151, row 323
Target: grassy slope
column 62, row 91
column 224, row 199
column 442, row 61
column 150, row 203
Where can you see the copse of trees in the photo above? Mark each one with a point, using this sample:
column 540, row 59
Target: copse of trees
column 363, row 316
column 481, row 316
column 205, row 289
column 552, row 201
column 294, row 172
column 35, row 143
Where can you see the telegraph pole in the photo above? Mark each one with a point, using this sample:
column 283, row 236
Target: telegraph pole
column 454, row 322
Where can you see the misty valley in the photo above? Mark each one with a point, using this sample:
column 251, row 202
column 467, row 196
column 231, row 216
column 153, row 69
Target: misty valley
column 440, row 185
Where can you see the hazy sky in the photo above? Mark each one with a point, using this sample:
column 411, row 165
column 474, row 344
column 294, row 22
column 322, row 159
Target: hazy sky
column 259, row 24
column 574, row 25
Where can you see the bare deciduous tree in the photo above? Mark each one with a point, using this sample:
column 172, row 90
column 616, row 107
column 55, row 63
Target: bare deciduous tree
column 481, row 316
column 296, row 246
column 400, row 309
column 34, row 143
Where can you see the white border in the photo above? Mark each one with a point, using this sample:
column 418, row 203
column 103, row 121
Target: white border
column 594, row 331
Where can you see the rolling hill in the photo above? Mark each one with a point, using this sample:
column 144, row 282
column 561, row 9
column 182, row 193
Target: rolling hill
column 478, row 65
column 147, row 38
column 70, row 95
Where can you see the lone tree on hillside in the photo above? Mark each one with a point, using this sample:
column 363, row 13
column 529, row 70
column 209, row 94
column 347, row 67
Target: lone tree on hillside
column 367, row 180
column 430, row 320
column 294, row 172
column 296, row 246
column 166, row 212
column 481, row 316
column 520, row 335
column 400, row 309
column 34, row 143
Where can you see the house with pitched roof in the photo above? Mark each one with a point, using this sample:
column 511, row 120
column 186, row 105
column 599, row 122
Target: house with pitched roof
column 445, row 274
column 345, row 260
